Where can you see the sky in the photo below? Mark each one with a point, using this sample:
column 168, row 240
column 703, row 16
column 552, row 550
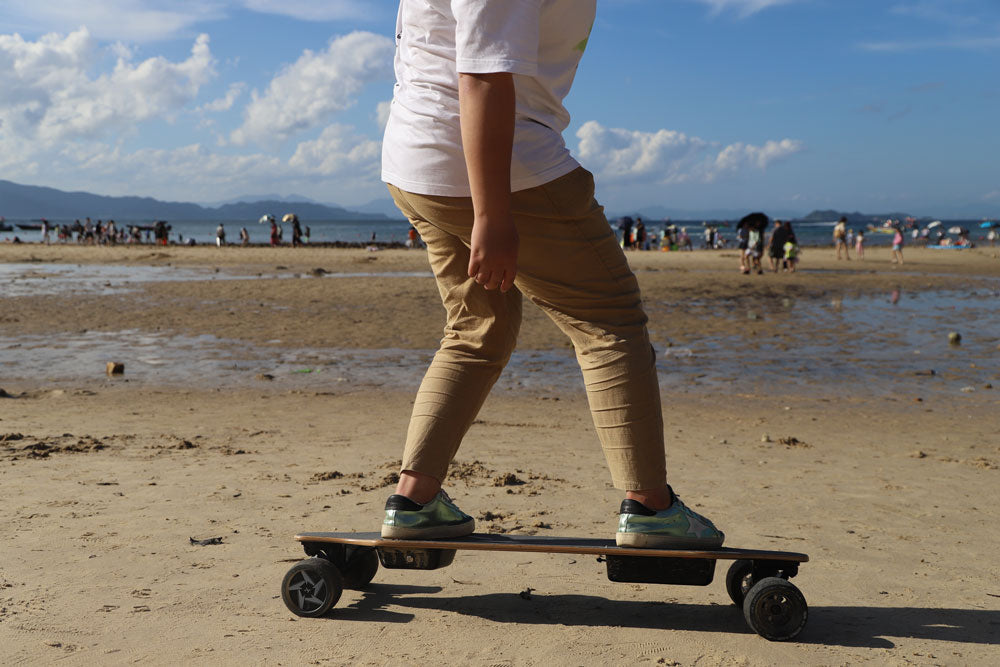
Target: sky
column 774, row 105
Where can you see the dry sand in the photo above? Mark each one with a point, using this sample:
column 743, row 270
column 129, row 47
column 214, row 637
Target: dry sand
column 103, row 481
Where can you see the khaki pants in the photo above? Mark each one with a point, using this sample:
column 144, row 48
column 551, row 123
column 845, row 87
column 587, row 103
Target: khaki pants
column 571, row 266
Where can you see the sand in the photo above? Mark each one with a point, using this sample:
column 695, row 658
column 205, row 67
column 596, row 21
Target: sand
column 891, row 489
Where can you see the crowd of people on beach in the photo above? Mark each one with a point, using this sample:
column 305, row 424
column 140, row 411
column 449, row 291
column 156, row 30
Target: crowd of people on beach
column 635, row 236
column 781, row 243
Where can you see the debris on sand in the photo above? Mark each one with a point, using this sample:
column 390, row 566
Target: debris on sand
column 508, row 479
column 792, row 441
column 326, row 476
column 206, row 542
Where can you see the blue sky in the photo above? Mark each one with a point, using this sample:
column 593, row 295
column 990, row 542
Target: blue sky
column 776, row 105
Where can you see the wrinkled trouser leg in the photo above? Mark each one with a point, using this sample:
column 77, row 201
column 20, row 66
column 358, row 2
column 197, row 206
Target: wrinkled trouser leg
column 571, row 266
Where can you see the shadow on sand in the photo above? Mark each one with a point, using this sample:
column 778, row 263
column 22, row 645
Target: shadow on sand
column 870, row 627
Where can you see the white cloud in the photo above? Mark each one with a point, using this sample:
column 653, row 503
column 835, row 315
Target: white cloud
column 226, row 102
column 151, row 20
column 738, row 156
column 338, row 151
column 49, row 94
column 667, row 156
column 131, row 20
column 306, row 93
column 382, row 114
column 743, row 7
column 312, row 10
column 993, row 194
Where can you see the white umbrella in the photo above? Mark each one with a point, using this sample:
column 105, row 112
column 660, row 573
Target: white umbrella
column 932, row 225
column 265, row 218
column 288, row 217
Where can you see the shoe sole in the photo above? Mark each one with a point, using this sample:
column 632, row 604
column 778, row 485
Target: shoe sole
column 647, row 541
column 437, row 532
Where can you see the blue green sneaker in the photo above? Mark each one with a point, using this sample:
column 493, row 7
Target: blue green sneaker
column 675, row 527
column 407, row 520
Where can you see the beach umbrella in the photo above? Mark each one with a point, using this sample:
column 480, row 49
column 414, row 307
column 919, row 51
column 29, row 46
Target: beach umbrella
column 754, row 221
column 932, row 225
column 983, row 225
column 288, row 217
column 955, row 230
column 266, row 218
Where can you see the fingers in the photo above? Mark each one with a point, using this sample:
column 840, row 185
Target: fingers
column 491, row 280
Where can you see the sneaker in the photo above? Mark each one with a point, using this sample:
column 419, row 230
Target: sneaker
column 675, row 527
column 407, row 520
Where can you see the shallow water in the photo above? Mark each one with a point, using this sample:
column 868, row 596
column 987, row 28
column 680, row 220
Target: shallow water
column 30, row 279
column 896, row 344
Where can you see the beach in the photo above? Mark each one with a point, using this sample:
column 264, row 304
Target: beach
column 266, row 391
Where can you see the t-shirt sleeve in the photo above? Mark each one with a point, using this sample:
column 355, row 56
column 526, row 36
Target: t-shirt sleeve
column 496, row 36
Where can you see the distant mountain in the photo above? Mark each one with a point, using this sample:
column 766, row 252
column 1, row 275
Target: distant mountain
column 385, row 207
column 288, row 199
column 32, row 202
column 657, row 212
column 856, row 218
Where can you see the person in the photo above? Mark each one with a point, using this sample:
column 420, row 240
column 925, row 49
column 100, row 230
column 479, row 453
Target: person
column 640, row 235
column 991, row 236
column 859, row 244
column 220, row 235
column 275, row 233
column 306, row 235
column 296, row 232
column 776, row 245
column 897, row 246
column 506, row 211
column 840, row 238
column 244, row 236
column 626, row 226
column 791, row 248
column 45, row 231
column 755, row 248
column 412, row 237
column 684, row 240
column 742, row 243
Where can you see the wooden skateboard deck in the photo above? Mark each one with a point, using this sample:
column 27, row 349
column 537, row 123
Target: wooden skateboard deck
column 545, row 544
column 757, row 579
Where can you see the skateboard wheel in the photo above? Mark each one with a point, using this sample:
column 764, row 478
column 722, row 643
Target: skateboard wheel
column 361, row 568
column 312, row 587
column 775, row 609
column 739, row 580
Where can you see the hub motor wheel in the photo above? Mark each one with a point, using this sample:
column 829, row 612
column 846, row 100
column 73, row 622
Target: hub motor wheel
column 361, row 568
column 775, row 609
column 739, row 580
column 311, row 587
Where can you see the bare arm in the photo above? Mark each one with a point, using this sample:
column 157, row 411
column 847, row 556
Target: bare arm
column 487, row 118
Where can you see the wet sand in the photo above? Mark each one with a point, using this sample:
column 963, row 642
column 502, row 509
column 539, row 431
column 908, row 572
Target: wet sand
column 892, row 488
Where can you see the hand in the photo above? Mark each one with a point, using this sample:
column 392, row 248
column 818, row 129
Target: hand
column 493, row 260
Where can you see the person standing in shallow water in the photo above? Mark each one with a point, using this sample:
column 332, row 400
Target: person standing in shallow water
column 506, row 211
column 840, row 238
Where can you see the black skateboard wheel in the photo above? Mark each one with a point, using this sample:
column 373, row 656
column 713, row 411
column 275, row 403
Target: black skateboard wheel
column 739, row 580
column 361, row 568
column 312, row 587
column 775, row 609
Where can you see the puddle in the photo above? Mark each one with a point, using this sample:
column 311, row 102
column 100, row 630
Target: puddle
column 880, row 346
column 32, row 279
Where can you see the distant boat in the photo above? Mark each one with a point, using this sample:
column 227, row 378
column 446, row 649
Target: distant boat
column 4, row 227
column 881, row 230
column 29, row 227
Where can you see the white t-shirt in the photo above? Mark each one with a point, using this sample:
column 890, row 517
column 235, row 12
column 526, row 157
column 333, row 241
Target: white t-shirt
column 539, row 41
